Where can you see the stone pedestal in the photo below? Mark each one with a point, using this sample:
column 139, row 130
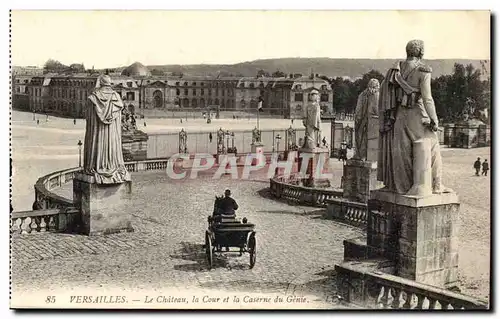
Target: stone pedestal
column 419, row 233
column 313, row 178
column 257, row 148
column 360, row 177
column 134, row 145
column 104, row 208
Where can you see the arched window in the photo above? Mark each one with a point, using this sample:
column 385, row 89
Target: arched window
column 177, row 92
column 185, row 102
column 185, row 84
column 216, row 102
column 252, row 85
column 194, row 83
column 209, row 102
column 202, row 103
column 194, row 103
column 242, row 85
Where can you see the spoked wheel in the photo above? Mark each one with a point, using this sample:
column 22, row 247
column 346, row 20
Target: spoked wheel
column 252, row 249
column 209, row 250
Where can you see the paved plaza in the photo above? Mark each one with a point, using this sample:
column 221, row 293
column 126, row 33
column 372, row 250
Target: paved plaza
column 297, row 248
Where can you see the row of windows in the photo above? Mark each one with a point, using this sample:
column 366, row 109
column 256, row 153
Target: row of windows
column 202, row 92
column 299, row 97
column 215, row 84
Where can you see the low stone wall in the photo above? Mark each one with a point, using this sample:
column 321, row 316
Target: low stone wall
column 287, row 188
column 353, row 213
column 369, row 287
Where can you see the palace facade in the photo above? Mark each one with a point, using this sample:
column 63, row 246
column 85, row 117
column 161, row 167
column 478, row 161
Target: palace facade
column 66, row 95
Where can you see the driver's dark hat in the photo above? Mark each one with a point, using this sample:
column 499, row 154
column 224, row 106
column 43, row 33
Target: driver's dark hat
column 227, row 192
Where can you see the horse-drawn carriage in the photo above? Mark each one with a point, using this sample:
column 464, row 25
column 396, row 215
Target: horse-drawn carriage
column 227, row 231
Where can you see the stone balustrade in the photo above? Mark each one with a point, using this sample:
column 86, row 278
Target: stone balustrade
column 45, row 220
column 288, row 188
column 373, row 289
column 353, row 213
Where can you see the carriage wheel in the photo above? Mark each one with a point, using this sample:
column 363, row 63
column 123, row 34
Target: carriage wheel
column 252, row 248
column 209, row 249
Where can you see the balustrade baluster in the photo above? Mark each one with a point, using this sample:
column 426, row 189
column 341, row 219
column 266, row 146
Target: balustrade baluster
column 420, row 301
column 32, row 225
column 37, row 221
column 43, row 224
column 432, row 303
column 385, row 297
column 22, row 219
column 408, row 300
column 396, row 298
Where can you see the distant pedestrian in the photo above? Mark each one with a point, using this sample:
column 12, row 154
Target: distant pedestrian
column 47, row 118
column 477, row 165
column 181, row 120
column 145, row 124
column 210, row 137
column 292, row 121
column 486, row 168
column 324, row 141
column 37, row 121
column 74, row 121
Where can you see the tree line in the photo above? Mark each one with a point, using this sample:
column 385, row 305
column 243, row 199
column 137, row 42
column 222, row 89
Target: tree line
column 463, row 91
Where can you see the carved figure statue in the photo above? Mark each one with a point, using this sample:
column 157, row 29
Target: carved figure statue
column 182, row 141
column 312, row 122
column 291, row 135
column 366, row 108
column 220, row 141
column 408, row 143
column 103, row 157
column 256, row 136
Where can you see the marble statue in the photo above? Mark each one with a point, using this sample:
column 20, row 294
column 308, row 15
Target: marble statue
column 409, row 160
column 256, row 136
column 220, row 141
column 366, row 108
column 182, row 141
column 103, row 157
column 312, row 122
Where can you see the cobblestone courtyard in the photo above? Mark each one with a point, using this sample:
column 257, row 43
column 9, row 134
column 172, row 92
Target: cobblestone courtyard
column 297, row 249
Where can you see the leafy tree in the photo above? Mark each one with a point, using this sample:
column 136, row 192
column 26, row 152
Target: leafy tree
column 278, row 74
column 54, row 66
column 262, row 73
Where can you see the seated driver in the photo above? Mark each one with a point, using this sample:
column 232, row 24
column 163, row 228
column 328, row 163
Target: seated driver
column 228, row 205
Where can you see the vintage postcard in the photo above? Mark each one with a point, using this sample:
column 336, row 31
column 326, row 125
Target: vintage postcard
column 250, row 160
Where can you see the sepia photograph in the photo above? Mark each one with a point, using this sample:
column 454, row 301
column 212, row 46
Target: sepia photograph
column 255, row 160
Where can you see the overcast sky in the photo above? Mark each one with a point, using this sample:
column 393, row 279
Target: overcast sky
column 119, row 38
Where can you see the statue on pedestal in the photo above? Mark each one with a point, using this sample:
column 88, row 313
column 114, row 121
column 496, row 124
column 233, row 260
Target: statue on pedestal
column 182, row 141
column 256, row 136
column 103, row 157
column 366, row 108
column 312, row 122
column 408, row 144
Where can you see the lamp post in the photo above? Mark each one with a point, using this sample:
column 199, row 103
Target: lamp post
column 232, row 140
column 34, row 112
column 79, row 153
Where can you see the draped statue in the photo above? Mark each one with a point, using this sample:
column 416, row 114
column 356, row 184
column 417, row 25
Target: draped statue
column 312, row 122
column 409, row 160
column 103, row 157
column 366, row 108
